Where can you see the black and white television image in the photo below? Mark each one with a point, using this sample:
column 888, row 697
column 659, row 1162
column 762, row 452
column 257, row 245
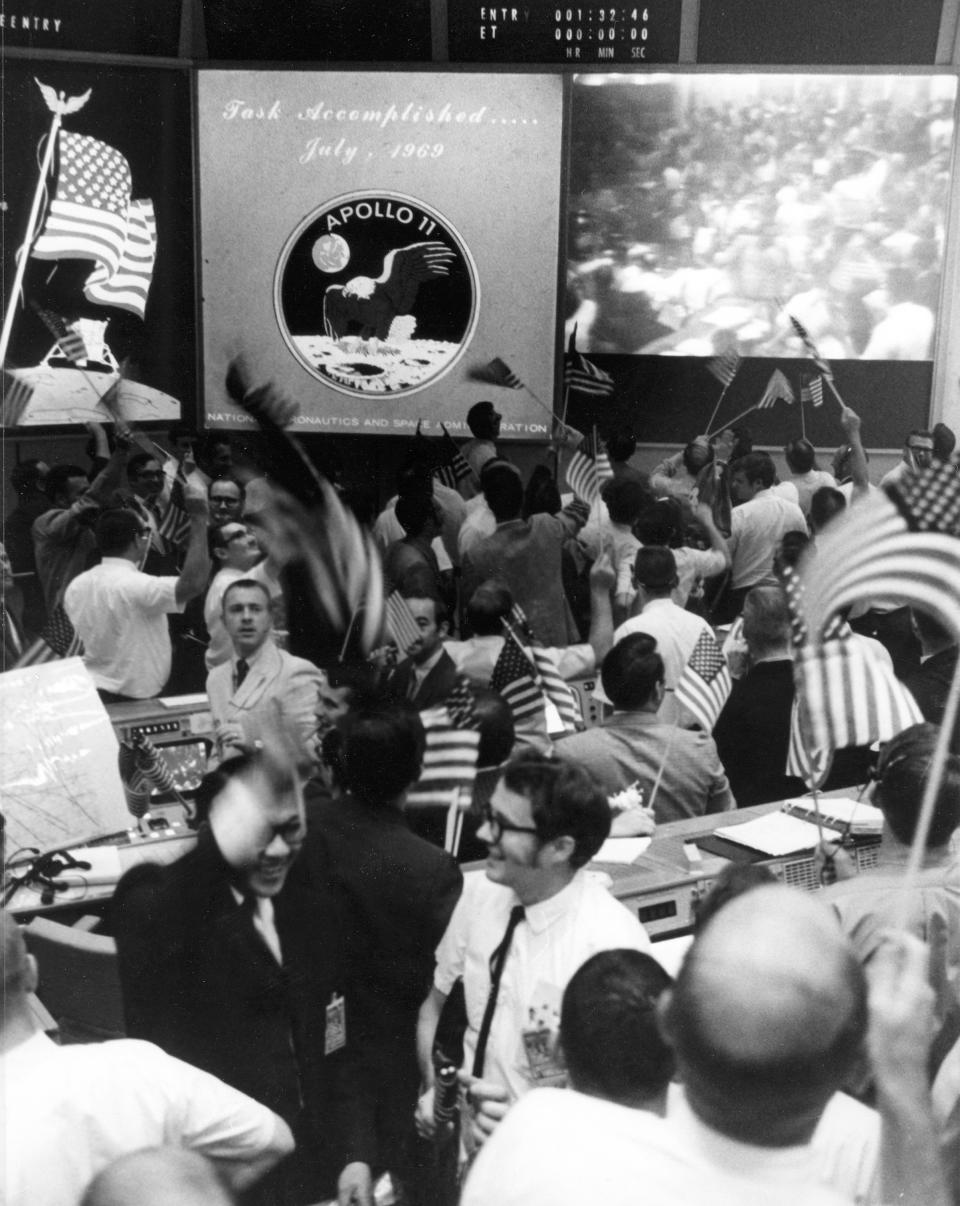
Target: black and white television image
column 705, row 210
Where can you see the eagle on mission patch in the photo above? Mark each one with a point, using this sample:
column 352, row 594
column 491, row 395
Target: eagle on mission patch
column 371, row 305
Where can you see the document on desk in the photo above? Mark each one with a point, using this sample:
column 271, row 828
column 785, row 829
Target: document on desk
column 104, row 867
column 776, row 834
column 621, row 850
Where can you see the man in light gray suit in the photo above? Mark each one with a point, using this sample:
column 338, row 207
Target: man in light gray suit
column 261, row 687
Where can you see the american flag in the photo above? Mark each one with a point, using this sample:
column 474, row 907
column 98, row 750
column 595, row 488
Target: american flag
column 173, row 524
column 811, row 390
column 68, row 340
column 403, row 627
column 725, row 367
column 127, row 288
column 545, row 673
column 587, row 471
column 705, row 683
column 929, row 499
column 16, row 397
column 810, row 346
column 497, row 372
column 92, row 218
column 846, row 695
column 872, row 553
column 778, row 389
column 454, row 467
column 449, row 760
column 513, row 677
column 582, row 376
column 58, row 639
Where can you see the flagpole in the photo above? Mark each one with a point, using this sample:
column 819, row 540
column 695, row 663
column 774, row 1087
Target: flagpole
column 803, row 420
column 24, row 254
column 723, row 394
column 663, row 763
column 743, row 414
column 931, row 791
column 828, row 377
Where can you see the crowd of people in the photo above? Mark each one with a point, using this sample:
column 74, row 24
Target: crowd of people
column 701, row 206
column 322, row 1002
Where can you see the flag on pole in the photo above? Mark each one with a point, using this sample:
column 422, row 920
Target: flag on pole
column 545, row 674
column 69, row 340
column 16, row 397
column 778, row 389
column 811, row 390
column 582, row 376
column 453, row 468
column 705, row 684
column 587, row 471
column 811, row 347
column 449, row 761
column 513, row 677
column 93, row 218
column 497, row 372
column 725, row 366
column 845, row 694
column 929, row 499
column 402, row 625
column 58, row 639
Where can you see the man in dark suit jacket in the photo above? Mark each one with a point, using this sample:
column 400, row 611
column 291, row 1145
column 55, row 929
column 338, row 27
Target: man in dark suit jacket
column 398, row 892
column 228, row 962
column 930, row 682
column 427, row 674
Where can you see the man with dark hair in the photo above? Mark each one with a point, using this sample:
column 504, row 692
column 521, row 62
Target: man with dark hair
column 63, row 539
column 120, row 612
column 69, row 1111
column 226, row 496
column 759, row 521
column 678, row 770
column 825, row 503
column 539, row 916
column 411, row 563
column 483, row 419
column 917, row 454
column 147, row 496
column 426, row 675
column 235, row 553
column 873, row 901
column 260, row 685
column 675, row 629
column 229, row 961
column 397, row 892
column 479, row 520
column 801, row 458
column 526, row 554
column 753, row 730
column 618, row 1068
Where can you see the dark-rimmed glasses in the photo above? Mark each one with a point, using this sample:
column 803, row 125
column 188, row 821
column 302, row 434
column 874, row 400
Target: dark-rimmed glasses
column 499, row 825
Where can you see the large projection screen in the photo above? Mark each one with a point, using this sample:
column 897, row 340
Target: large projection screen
column 372, row 239
column 705, row 209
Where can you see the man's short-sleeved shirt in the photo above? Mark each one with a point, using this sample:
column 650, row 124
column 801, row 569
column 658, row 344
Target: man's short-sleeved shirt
column 756, row 529
column 550, row 944
column 120, row 614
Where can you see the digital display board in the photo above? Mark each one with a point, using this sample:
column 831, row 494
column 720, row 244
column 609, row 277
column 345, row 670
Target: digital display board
column 541, row 32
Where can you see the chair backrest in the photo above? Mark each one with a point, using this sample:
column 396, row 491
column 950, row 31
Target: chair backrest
column 79, row 980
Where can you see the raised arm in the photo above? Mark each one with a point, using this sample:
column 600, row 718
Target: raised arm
column 196, row 564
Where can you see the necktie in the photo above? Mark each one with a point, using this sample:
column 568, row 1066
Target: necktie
column 242, row 670
column 497, row 963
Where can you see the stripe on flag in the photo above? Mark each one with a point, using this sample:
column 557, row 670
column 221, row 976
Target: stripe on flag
column 127, row 286
column 705, row 683
column 778, row 389
column 725, row 366
column 811, row 347
column 58, row 639
column 582, row 376
column 587, row 471
column 929, row 499
column 496, row 372
column 513, row 677
column 811, row 390
column 556, row 689
column 69, row 340
column 449, row 761
column 16, row 398
column 400, row 619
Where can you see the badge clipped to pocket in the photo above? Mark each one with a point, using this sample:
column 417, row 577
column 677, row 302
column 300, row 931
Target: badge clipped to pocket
column 335, row 1033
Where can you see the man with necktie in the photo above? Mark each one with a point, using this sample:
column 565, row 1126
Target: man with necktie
column 522, row 927
column 260, row 685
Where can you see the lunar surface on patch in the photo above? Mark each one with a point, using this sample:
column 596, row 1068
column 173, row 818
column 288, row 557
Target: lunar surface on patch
column 373, row 366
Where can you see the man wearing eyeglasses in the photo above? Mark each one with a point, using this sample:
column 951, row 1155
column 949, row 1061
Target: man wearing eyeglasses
column 522, row 927
column 235, row 553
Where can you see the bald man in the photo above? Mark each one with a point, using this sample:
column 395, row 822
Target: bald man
column 69, row 1111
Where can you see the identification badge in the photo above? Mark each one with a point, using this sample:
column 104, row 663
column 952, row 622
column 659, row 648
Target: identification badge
column 335, row 1033
column 543, row 1066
